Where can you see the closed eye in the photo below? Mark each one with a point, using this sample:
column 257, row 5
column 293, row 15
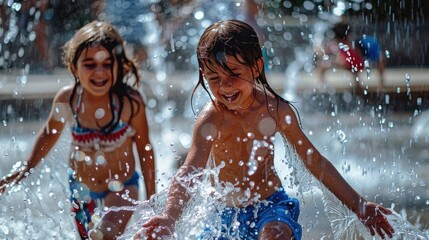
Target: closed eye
column 107, row 65
column 89, row 65
column 213, row 79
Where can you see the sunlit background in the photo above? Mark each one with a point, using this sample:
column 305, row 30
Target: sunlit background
column 378, row 139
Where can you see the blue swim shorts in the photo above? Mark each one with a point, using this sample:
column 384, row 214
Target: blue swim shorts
column 247, row 222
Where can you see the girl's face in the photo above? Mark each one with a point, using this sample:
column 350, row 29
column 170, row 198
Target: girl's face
column 94, row 70
column 234, row 90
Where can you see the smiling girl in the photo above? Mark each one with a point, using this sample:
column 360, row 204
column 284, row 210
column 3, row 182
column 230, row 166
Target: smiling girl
column 106, row 116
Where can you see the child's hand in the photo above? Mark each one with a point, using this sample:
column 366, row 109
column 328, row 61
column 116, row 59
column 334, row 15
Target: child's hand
column 157, row 227
column 372, row 216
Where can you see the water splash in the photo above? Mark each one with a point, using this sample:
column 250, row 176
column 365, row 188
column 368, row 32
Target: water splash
column 252, row 164
column 344, row 223
column 26, row 219
column 420, row 129
column 199, row 213
column 37, row 208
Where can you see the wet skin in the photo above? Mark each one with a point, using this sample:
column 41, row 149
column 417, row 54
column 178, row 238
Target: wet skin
column 95, row 71
column 224, row 133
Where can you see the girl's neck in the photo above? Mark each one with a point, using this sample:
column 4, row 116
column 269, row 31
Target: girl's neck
column 90, row 97
column 90, row 101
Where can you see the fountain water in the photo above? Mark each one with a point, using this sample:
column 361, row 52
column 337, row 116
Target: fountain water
column 375, row 142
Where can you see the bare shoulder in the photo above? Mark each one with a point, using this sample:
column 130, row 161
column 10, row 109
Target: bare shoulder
column 277, row 107
column 285, row 113
column 134, row 106
column 64, row 94
column 209, row 119
column 61, row 109
column 210, row 113
column 286, row 108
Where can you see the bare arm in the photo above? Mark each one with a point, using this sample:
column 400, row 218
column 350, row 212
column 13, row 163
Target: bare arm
column 369, row 213
column 144, row 149
column 178, row 196
column 47, row 137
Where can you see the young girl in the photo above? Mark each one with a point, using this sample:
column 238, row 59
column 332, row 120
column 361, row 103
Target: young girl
column 245, row 109
column 106, row 116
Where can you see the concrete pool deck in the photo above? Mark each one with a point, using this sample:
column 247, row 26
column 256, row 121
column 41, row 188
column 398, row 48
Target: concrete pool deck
column 31, row 86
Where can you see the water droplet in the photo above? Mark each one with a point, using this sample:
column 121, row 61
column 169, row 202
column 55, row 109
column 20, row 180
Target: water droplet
column 115, row 186
column 99, row 113
column 96, row 219
column 60, row 207
column 148, row 147
column 100, row 158
column 88, row 159
column 387, row 52
column 341, row 136
column 100, row 56
column 23, row 79
column 288, row 119
column 79, row 156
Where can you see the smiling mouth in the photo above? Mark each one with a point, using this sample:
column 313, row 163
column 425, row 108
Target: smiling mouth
column 231, row 97
column 99, row 83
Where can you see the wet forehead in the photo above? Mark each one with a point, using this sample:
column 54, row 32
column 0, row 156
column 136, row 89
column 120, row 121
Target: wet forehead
column 98, row 54
column 233, row 63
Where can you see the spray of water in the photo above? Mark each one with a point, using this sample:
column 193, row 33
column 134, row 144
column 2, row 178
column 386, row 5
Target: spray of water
column 38, row 207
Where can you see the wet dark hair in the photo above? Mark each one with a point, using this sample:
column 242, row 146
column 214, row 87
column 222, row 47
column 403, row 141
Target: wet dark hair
column 232, row 38
column 99, row 33
column 341, row 30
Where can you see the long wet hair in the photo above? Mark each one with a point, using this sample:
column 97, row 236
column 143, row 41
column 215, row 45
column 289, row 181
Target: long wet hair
column 99, row 33
column 239, row 40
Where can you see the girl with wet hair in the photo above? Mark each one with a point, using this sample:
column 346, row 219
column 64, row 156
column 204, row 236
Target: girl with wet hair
column 235, row 133
column 106, row 116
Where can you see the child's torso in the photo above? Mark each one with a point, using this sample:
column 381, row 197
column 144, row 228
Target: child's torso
column 98, row 169
column 245, row 146
column 99, row 158
column 96, row 157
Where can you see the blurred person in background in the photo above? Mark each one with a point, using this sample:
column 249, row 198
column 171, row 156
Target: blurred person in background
column 339, row 52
